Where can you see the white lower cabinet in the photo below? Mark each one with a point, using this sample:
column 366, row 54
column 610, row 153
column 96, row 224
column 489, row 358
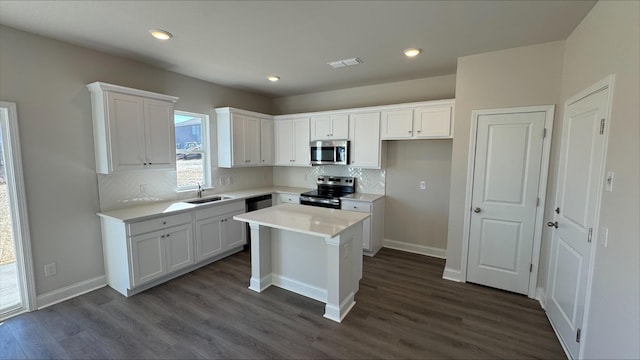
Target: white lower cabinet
column 141, row 254
column 179, row 245
column 208, row 240
column 373, row 231
column 161, row 252
column 217, row 232
column 148, row 257
column 287, row 198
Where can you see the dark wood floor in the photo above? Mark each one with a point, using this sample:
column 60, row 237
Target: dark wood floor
column 404, row 310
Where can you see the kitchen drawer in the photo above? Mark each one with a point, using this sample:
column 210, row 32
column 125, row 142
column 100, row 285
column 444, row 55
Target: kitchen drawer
column 356, row 206
column 159, row 223
column 288, row 198
column 219, row 209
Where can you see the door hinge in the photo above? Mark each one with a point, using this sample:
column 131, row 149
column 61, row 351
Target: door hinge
column 544, row 133
column 601, row 126
column 578, row 335
column 530, row 267
column 590, row 235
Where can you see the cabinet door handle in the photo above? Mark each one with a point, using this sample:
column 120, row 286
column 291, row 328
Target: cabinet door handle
column 162, row 237
column 164, row 223
column 168, row 235
column 409, row 131
column 419, row 131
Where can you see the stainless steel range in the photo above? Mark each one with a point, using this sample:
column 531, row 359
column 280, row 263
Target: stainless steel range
column 330, row 190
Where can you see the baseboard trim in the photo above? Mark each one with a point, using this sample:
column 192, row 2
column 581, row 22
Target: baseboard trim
column 71, row 291
column 452, row 274
column 416, row 249
column 541, row 297
column 301, row 288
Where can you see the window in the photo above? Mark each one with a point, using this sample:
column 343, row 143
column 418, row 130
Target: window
column 192, row 150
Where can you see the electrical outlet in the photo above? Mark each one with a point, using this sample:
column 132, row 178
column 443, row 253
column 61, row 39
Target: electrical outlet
column 143, row 188
column 50, row 269
column 423, row 185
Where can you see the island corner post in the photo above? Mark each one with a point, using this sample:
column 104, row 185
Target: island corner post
column 323, row 265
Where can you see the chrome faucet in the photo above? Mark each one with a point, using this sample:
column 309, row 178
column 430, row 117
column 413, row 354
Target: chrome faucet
column 199, row 191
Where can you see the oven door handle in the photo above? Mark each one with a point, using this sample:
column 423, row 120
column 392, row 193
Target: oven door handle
column 320, row 201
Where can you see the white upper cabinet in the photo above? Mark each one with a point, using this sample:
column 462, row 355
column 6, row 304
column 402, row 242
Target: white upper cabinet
column 240, row 139
column 365, row 145
column 266, row 142
column 292, row 142
column 397, row 124
column 133, row 129
column 330, row 127
column 431, row 120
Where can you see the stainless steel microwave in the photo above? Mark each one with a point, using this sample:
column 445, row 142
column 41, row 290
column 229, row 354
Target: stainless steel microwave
column 330, row 152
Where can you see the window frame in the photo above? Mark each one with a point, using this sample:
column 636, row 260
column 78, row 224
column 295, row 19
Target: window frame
column 205, row 136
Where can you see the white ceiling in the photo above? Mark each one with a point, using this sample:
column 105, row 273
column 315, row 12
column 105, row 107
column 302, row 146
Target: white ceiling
column 239, row 43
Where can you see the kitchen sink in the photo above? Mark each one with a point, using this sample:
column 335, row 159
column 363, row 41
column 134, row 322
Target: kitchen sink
column 208, row 200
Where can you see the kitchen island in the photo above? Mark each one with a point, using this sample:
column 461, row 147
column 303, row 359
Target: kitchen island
column 312, row 251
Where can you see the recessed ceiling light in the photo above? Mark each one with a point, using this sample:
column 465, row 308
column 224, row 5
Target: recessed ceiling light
column 160, row 34
column 273, row 78
column 412, row 52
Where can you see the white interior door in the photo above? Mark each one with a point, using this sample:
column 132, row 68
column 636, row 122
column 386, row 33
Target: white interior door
column 581, row 162
column 505, row 191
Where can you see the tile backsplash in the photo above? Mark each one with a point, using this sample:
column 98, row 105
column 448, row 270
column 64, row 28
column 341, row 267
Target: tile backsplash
column 368, row 181
column 133, row 188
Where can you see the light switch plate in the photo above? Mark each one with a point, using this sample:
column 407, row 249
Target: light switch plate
column 604, row 237
column 423, row 185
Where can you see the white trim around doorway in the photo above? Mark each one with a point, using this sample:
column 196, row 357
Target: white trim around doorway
column 24, row 259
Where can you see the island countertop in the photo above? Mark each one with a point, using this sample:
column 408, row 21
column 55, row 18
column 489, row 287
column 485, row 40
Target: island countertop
column 312, row 220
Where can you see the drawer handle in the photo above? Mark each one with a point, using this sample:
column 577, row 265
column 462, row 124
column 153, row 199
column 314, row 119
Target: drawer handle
column 164, row 223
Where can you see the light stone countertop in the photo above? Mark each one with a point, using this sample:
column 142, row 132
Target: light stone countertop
column 173, row 207
column 364, row 197
column 311, row 220
column 148, row 211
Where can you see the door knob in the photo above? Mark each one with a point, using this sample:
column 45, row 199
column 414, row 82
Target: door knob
column 477, row 210
column 552, row 224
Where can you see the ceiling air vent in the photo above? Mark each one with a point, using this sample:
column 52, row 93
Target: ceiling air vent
column 345, row 62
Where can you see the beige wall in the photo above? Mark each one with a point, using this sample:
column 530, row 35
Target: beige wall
column 434, row 88
column 515, row 77
column 46, row 79
column 412, row 217
column 607, row 41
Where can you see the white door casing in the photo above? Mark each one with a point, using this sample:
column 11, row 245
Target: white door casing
column 18, row 203
column 506, row 186
column 579, row 188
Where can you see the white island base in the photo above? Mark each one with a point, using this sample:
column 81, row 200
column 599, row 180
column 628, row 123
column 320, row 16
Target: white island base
column 312, row 251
